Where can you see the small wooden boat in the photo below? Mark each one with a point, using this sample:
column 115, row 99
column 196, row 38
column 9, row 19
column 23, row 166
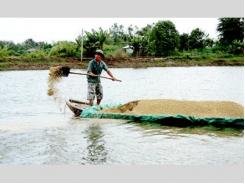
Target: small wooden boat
column 76, row 106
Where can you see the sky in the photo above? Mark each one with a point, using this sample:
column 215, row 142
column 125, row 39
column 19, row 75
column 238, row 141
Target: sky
column 57, row 29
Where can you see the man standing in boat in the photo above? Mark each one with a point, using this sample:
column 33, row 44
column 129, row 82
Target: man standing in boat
column 95, row 68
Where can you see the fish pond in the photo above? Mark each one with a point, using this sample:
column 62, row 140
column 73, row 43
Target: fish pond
column 39, row 129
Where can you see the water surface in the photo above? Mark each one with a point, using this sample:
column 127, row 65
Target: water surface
column 36, row 130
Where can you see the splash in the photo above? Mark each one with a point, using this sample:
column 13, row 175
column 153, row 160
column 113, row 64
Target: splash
column 53, row 81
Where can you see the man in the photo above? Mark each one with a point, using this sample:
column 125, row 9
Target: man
column 95, row 68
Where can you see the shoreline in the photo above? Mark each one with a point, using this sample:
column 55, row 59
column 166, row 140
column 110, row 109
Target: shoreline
column 15, row 64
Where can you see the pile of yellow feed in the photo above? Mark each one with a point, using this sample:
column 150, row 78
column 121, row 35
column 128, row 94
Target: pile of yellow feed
column 189, row 108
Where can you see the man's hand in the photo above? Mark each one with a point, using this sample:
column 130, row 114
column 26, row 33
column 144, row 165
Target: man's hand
column 112, row 77
column 110, row 74
column 92, row 74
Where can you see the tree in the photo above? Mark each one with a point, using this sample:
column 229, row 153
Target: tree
column 44, row 46
column 136, row 42
column 209, row 42
column 140, row 44
column 230, row 29
column 117, row 33
column 29, row 44
column 236, row 47
column 130, row 32
column 92, row 41
column 184, row 42
column 102, row 36
column 145, row 31
column 197, row 39
column 164, row 38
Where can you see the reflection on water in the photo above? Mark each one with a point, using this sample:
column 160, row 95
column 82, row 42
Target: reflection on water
column 156, row 129
column 34, row 131
column 55, row 145
column 118, row 142
column 96, row 151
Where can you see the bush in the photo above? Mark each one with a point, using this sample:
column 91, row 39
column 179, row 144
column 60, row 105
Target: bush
column 236, row 47
column 119, row 53
column 64, row 49
column 109, row 50
column 40, row 54
column 4, row 52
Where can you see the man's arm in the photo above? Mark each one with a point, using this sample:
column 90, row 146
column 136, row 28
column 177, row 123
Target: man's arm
column 108, row 71
column 110, row 74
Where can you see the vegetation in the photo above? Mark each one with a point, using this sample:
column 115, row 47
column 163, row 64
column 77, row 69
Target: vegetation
column 159, row 39
column 164, row 39
column 64, row 49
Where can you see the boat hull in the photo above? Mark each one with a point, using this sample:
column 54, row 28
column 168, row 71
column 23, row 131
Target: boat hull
column 76, row 106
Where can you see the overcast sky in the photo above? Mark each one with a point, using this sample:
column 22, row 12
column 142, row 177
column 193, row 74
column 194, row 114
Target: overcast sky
column 56, row 29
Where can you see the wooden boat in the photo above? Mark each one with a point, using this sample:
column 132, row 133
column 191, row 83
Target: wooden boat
column 76, row 106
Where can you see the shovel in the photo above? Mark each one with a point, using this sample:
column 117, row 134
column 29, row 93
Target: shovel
column 65, row 71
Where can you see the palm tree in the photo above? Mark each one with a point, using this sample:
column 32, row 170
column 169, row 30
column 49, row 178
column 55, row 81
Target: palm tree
column 101, row 37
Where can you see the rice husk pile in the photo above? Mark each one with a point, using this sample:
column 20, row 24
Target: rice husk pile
column 188, row 108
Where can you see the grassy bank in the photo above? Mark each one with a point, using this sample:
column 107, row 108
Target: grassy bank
column 21, row 63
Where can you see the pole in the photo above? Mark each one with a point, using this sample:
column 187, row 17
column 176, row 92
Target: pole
column 82, row 47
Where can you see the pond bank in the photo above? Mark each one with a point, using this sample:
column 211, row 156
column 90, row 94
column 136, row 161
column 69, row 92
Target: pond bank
column 17, row 63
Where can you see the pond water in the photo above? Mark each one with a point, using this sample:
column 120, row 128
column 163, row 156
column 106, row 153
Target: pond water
column 34, row 129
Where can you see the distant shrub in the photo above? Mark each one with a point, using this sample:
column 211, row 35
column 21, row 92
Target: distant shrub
column 236, row 47
column 110, row 49
column 5, row 52
column 119, row 53
column 37, row 54
column 64, row 49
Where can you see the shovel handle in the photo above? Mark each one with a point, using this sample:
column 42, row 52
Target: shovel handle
column 95, row 76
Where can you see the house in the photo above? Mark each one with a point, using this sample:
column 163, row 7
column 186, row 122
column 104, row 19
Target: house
column 128, row 49
column 31, row 50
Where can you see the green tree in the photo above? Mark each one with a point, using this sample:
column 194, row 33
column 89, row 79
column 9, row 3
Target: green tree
column 140, row 44
column 197, row 39
column 136, row 43
column 209, row 42
column 102, row 36
column 184, row 42
column 44, row 46
column 236, row 47
column 140, row 40
column 130, row 32
column 92, row 41
column 145, row 31
column 230, row 29
column 117, row 33
column 29, row 44
column 164, row 38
